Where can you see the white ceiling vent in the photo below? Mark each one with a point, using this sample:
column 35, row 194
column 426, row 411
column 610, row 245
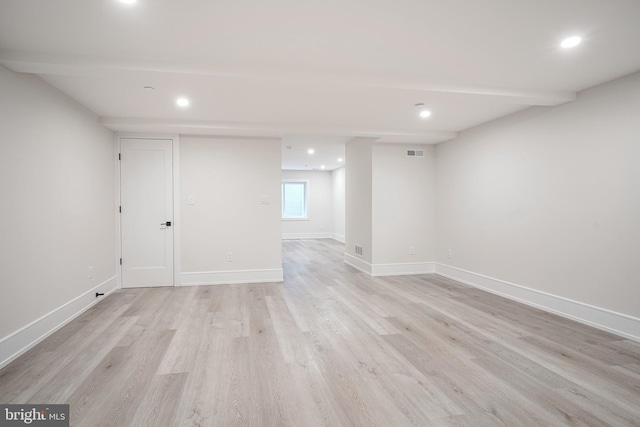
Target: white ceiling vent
column 415, row 153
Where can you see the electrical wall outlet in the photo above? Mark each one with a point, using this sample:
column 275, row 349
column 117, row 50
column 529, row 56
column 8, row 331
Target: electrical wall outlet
column 90, row 273
column 229, row 256
column 412, row 250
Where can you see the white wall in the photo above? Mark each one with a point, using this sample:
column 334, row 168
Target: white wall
column 227, row 178
column 338, row 195
column 549, row 198
column 390, row 208
column 57, row 181
column 403, row 204
column 319, row 207
column 358, row 198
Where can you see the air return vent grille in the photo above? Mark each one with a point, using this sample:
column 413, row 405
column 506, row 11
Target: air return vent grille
column 415, row 153
column 358, row 250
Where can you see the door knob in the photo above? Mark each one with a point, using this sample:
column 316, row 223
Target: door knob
column 168, row 223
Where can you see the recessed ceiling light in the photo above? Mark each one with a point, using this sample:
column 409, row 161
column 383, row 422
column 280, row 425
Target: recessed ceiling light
column 128, row 1
column 339, row 159
column 322, row 167
column 570, row 42
column 182, row 102
column 422, row 111
column 311, row 151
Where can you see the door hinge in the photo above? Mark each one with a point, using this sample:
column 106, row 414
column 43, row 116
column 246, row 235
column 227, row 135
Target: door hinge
column 120, row 261
column 119, row 156
column 120, row 209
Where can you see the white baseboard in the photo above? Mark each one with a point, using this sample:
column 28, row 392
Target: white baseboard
column 607, row 320
column 339, row 237
column 403, row 269
column 318, row 235
column 397, row 269
column 14, row 345
column 357, row 263
column 194, row 278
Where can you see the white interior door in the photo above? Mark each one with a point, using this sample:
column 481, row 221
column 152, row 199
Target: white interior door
column 146, row 179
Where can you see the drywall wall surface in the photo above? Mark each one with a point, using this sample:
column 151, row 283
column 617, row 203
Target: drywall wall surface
column 403, row 204
column 57, row 181
column 338, row 194
column 358, row 197
column 229, row 180
column 549, row 198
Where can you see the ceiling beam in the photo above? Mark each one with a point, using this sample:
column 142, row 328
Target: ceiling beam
column 24, row 62
column 197, row 127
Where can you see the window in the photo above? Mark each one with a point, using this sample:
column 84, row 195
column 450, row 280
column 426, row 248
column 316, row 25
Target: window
column 294, row 199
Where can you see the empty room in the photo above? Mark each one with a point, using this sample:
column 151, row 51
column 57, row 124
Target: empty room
column 354, row 213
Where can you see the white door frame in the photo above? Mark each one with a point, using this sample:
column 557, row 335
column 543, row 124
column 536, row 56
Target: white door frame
column 175, row 143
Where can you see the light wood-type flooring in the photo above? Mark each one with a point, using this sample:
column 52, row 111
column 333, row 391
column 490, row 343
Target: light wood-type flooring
column 331, row 346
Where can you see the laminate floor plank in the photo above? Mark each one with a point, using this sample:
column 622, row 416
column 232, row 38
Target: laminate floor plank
column 270, row 375
column 531, row 319
column 114, row 387
column 158, row 408
column 27, row 376
column 557, row 409
column 183, row 350
column 632, row 369
column 330, row 346
column 206, row 379
column 355, row 306
column 606, row 409
column 256, row 300
column 471, row 389
column 355, row 395
column 293, row 346
column 60, row 386
column 378, row 363
column 381, row 366
column 586, row 372
column 297, row 306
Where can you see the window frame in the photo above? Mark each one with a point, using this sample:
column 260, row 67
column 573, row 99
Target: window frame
column 306, row 199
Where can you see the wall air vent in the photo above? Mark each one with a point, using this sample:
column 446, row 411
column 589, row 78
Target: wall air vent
column 415, row 153
column 358, row 250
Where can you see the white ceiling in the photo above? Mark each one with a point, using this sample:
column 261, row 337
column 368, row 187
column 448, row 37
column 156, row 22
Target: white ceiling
column 328, row 152
column 323, row 72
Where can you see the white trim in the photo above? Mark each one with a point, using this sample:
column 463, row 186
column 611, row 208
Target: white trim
column 14, row 345
column 338, row 237
column 118, row 230
column 607, row 320
column 357, row 263
column 318, row 235
column 193, row 278
column 177, row 224
column 397, row 269
column 402, row 269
